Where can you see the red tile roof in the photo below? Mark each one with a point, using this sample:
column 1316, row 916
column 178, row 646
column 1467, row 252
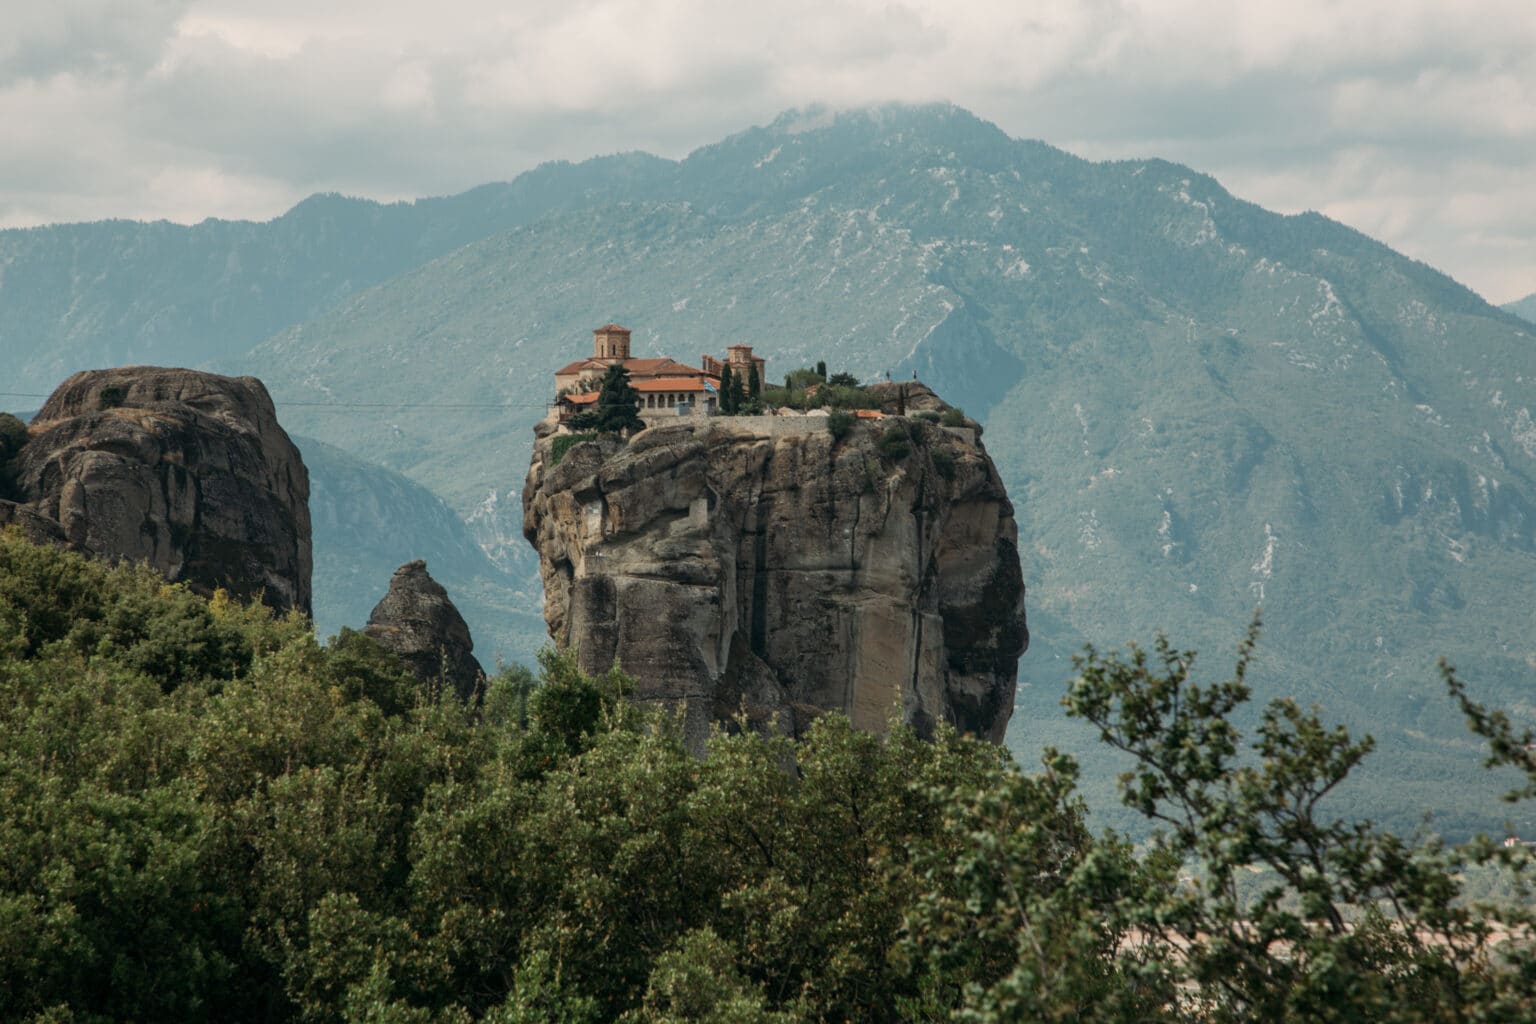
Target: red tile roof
column 670, row 384
column 613, row 327
column 583, row 399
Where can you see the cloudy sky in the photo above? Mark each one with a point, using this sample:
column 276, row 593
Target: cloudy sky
column 1412, row 120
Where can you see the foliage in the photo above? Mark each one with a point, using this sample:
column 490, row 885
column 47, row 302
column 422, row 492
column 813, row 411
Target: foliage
column 209, row 816
column 895, row 443
column 843, row 380
column 839, row 423
column 943, row 463
column 1350, row 922
column 13, row 435
column 618, row 403
column 754, row 383
column 954, row 416
column 799, row 380
column 728, row 391
column 926, row 415
column 564, row 443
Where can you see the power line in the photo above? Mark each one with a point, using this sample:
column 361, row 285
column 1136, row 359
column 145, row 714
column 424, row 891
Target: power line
column 361, row 405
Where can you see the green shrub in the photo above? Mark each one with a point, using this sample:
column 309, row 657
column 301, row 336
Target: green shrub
column 799, row 380
column 953, row 417
column 110, row 397
column 13, row 435
column 839, row 423
column 894, row 443
column 927, row 416
column 564, row 443
column 943, row 463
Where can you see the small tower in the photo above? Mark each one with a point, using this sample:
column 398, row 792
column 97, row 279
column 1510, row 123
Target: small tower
column 611, row 342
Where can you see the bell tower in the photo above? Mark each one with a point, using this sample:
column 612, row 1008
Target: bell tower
column 611, row 342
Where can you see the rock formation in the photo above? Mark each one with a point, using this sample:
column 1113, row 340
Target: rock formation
column 418, row 622
column 187, row 471
column 757, row 563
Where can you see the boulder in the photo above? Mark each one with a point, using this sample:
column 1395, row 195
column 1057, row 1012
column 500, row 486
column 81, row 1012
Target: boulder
column 417, row 621
column 187, row 471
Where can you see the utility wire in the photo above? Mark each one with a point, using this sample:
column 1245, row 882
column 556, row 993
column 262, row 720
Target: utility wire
column 362, row 405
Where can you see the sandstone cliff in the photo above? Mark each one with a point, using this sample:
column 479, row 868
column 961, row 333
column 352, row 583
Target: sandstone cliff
column 188, row 471
column 757, row 562
column 417, row 621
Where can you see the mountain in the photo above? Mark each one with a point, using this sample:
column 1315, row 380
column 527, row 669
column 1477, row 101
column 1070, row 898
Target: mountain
column 78, row 296
column 1524, row 308
column 368, row 521
column 1198, row 407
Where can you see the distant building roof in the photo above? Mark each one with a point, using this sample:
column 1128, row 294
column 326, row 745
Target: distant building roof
column 577, row 366
column 670, row 384
column 869, row 414
column 650, row 367
column 613, row 327
column 583, row 399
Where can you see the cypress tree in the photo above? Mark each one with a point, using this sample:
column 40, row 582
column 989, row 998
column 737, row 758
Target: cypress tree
column 618, row 404
column 727, row 391
column 754, row 386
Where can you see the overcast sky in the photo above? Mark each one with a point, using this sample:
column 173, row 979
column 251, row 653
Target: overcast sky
column 1412, row 120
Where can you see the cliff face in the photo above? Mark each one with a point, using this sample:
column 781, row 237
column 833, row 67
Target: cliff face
column 758, row 563
column 188, row 471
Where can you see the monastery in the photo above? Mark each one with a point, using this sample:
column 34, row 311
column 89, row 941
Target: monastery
column 667, row 387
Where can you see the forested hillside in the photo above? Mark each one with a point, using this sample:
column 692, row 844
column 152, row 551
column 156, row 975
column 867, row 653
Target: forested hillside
column 211, row 817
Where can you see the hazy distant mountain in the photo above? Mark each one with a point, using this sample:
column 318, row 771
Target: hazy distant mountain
column 368, row 521
column 1198, row 406
column 1524, row 308
column 76, row 296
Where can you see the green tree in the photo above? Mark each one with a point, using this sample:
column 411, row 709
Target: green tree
column 839, row 423
column 618, row 403
column 843, row 379
column 728, row 392
column 754, row 384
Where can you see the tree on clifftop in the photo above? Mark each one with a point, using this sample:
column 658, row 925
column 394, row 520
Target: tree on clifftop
column 618, row 404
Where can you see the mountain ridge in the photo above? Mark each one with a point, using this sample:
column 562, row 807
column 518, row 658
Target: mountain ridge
column 1199, row 406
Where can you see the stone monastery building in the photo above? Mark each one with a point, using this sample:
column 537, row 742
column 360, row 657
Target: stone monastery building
column 667, row 387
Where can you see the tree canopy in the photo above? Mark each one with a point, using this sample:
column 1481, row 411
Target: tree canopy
column 210, row 815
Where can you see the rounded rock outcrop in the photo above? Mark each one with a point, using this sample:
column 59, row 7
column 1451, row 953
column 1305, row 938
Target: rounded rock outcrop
column 418, row 622
column 187, row 471
column 758, row 564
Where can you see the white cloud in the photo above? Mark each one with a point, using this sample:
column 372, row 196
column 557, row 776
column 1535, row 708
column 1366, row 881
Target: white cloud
column 1412, row 120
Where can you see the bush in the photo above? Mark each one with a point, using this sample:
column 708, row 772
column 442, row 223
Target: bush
column 953, row 417
column 843, row 380
column 839, row 423
column 894, row 443
column 110, row 397
column 943, row 463
column 13, row 435
column 927, row 416
column 564, row 443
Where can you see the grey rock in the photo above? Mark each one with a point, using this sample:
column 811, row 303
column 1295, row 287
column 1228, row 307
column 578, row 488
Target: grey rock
column 755, row 565
column 187, row 471
column 417, row 621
